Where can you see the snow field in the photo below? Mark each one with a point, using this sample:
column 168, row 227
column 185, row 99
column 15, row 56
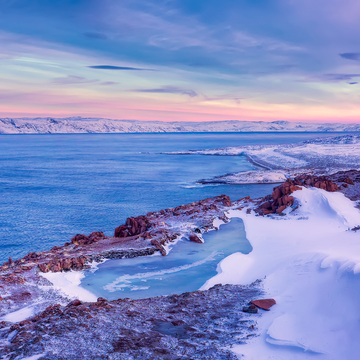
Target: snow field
column 309, row 262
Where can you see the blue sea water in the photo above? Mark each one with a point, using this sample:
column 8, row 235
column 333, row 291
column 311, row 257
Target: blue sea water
column 55, row 186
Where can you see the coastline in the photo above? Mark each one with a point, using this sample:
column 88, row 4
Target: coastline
column 21, row 276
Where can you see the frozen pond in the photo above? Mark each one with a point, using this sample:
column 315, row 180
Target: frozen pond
column 187, row 267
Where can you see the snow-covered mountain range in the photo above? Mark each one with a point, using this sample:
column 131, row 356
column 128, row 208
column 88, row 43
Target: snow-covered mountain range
column 99, row 125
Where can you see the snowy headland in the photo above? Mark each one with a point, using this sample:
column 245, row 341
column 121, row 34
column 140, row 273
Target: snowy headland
column 72, row 125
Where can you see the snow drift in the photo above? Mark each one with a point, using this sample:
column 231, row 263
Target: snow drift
column 309, row 262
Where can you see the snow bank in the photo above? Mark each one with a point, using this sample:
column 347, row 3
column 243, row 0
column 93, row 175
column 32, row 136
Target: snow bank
column 19, row 315
column 310, row 263
column 68, row 283
column 34, row 357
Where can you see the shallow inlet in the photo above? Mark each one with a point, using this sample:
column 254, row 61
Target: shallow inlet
column 187, row 267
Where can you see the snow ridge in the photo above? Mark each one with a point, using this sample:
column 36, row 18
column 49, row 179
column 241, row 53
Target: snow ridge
column 49, row 125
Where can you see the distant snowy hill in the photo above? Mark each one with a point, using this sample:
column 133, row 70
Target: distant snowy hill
column 98, row 125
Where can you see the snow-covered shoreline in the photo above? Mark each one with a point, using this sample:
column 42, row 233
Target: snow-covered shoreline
column 71, row 125
column 309, row 262
column 276, row 163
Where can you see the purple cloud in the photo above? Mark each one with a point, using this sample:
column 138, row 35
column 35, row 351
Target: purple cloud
column 108, row 83
column 351, row 56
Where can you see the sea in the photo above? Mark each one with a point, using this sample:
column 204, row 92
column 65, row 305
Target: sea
column 55, row 186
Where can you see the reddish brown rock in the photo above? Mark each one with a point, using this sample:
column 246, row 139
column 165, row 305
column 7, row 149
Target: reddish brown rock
column 294, row 188
column 133, row 226
column 331, row 186
column 280, row 209
column 79, row 239
column 276, row 194
column 43, row 268
column 12, row 279
column 96, row 236
column 159, row 247
column 120, row 231
column 55, row 266
column 55, row 248
column 66, row 264
column 349, row 181
column 264, row 304
column 226, row 201
column 266, row 205
column 195, row 238
column 75, row 302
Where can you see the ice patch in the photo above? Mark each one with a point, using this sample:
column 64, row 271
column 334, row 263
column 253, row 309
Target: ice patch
column 68, row 283
column 124, row 280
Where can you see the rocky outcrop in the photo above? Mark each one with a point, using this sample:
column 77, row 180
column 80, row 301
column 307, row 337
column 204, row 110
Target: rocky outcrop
column 280, row 199
column 195, row 238
column 321, row 182
column 133, row 226
column 81, row 239
column 56, row 265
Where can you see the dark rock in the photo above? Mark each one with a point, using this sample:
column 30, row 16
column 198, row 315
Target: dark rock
column 159, row 247
column 75, row 302
column 266, row 205
column 280, row 209
column 43, row 268
column 79, row 239
column 267, row 211
column 250, row 309
column 226, row 201
column 348, row 181
column 195, row 238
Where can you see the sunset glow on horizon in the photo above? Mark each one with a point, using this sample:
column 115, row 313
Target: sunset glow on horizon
column 181, row 60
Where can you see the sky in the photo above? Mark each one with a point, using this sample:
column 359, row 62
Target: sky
column 189, row 60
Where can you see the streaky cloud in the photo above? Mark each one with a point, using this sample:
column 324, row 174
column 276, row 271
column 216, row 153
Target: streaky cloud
column 339, row 77
column 108, row 83
column 331, row 78
column 169, row 90
column 112, row 67
column 351, row 56
column 72, row 80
